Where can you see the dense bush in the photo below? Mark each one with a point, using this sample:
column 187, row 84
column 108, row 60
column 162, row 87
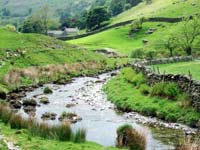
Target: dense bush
column 166, row 89
column 145, row 89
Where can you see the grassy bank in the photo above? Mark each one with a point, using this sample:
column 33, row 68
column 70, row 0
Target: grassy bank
column 182, row 68
column 135, row 97
column 27, row 59
column 27, row 142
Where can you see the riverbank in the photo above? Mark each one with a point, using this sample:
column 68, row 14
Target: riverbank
column 128, row 97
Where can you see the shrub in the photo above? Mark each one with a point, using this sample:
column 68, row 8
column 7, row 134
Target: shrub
column 138, row 53
column 166, row 89
column 145, row 89
column 47, row 90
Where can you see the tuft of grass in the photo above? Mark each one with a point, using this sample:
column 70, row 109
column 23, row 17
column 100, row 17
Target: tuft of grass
column 79, row 136
column 131, row 138
column 61, row 132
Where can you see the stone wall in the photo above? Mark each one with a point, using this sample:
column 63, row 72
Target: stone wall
column 185, row 83
column 153, row 19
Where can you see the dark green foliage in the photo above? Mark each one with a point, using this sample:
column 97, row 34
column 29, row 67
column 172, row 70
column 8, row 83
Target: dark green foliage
column 32, row 26
column 47, row 90
column 96, row 16
column 117, row 6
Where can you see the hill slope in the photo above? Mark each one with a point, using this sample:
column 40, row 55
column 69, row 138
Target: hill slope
column 160, row 8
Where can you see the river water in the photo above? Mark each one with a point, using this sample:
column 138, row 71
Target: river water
column 99, row 117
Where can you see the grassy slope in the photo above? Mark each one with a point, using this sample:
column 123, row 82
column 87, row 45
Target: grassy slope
column 27, row 142
column 182, row 68
column 126, row 95
column 120, row 40
column 40, row 50
column 160, row 8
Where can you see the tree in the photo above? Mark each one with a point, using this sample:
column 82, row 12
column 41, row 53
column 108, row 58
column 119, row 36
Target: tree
column 190, row 31
column 117, row 6
column 171, row 44
column 133, row 2
column 32, row 26
column 96, row 16
column 42, row 16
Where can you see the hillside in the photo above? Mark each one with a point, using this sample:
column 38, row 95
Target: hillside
column 159, row 8
column 155, row 41
column 32, row 50
column 27, row 7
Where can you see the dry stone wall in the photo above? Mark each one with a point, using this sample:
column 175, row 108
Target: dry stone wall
column 185, row 83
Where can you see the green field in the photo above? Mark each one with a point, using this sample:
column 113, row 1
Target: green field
column 182, row 68
column 120, row 40
column 160, row 8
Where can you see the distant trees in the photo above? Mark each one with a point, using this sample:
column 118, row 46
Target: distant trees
column 185, row 37
column 38, row 22
column 117, row 6
column 5, row 12
column 97, row 16
column 190, row 31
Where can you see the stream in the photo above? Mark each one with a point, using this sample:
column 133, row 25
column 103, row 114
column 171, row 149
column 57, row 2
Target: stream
column 99, row 116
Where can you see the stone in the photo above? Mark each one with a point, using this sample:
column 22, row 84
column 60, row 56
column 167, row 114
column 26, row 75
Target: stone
column 15, row 104
column 44, row 100
column 49, row 116
column 145, row 41
column 30, row 102
column 70, row 105
column 3, row 95
column 29, row 109
column 69, row 117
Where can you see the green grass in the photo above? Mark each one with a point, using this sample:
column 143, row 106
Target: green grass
column 121, row 41
column 34, row 50
column 127, row 96
column 182, row 68
column 160, row 8
column 27, row 142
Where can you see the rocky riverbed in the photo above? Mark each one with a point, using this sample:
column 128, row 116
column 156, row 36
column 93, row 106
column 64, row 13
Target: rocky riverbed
column 85, row 98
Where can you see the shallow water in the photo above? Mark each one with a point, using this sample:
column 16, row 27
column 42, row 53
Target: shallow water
column 99, row 116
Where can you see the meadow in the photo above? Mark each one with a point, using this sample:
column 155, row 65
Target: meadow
column 182, row 68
